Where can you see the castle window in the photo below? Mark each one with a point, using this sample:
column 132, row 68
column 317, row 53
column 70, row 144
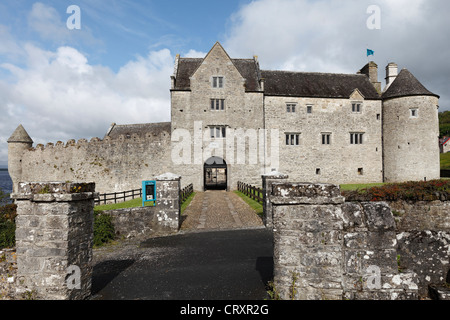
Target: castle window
column 217, row 132
column 414, row 113
column 326, row 138
column 217, row 104
column 292, row 139
column 360, row 171
column 356, row 107
column 309, row 109
column 217, row 82
column 318, row 171
column 356, row 138
column 290, row 108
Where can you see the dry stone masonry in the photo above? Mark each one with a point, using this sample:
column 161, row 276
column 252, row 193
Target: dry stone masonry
column 54, row 236
column 326, row 248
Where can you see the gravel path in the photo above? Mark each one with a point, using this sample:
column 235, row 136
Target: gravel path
column 219, row 210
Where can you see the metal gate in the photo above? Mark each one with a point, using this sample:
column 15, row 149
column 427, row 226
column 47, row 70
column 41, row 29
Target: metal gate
column 215, row 174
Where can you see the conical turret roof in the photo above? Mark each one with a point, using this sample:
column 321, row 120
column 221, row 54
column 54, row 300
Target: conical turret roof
column 20, row 135
column 406, row 85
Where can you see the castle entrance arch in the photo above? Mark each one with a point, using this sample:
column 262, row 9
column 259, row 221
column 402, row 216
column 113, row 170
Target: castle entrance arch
column 215, row 174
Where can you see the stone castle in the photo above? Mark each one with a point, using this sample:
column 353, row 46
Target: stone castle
column 232, row 121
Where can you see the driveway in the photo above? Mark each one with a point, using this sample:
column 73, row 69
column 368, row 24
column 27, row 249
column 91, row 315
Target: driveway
column 218, row 265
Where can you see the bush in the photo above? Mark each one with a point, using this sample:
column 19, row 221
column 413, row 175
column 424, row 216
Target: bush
column 103, row 229
column 415, row 190
column 7, row 234
column 8, row 226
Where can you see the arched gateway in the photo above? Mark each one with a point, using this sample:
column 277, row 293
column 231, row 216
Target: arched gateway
column 215, row 174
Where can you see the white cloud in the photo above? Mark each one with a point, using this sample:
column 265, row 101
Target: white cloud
column 332, row 36
column 60, row 96
column 46, row 21
column 195, row 54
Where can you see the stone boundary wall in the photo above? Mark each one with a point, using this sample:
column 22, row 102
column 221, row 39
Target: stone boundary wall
column 326, row 248
column 164, row 218
column 54, row 237
column 115, row 164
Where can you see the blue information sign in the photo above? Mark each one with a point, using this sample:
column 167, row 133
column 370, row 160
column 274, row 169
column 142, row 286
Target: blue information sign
column 148, row 192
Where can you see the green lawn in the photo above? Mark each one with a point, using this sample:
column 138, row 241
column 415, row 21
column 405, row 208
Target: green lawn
column 135, row 203
column 255, row 205
column 445, row 161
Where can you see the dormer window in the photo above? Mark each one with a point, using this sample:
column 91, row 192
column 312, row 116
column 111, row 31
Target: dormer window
column 356, row 107
column 217, row 82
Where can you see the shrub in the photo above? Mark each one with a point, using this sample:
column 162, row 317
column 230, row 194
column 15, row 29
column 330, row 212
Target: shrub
column 7, row 234
column 8, row 226
column 413, row 190
column 103, row 229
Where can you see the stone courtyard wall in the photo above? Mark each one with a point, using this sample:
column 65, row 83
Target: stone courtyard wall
column 326, row 248
column 115, row 165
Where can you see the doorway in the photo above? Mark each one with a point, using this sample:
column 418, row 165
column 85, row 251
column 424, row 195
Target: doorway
column 215, row 174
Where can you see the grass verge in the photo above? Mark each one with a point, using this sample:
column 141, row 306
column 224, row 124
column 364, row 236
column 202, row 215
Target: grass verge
column 122, row 205
column 445, row 161
column 187, row 202
column 255, row 205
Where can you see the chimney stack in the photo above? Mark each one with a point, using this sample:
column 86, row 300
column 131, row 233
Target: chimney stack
column 371, row 71
column 391, row 74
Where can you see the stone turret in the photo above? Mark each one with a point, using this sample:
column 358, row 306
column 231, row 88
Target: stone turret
column 410, row 130
column 18, row 143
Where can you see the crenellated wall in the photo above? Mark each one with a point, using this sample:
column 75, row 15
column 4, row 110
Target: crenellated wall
column 113, row 164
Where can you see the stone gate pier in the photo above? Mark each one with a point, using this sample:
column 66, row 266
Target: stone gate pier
column 54, row 237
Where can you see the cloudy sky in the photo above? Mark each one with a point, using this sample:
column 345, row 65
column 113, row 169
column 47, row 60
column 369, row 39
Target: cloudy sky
column 67, row 78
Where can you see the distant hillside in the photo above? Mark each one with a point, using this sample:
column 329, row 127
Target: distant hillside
column 444, row 123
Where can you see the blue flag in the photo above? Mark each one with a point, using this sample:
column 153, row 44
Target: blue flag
column 370, row 52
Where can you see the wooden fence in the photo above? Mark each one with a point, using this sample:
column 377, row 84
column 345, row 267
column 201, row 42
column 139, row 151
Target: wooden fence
column 251, row 191
column 116, row 196
column 186, row 192
column 122, row 196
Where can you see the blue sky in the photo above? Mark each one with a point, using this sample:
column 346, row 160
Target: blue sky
column 63, row 84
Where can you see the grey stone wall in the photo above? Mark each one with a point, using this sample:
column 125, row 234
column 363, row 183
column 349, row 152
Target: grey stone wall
column 411, row 150
column 164, row 218
column 191, row 111
column 267, row 181
column 308, row 252
column 338, row 162
column 114, row 164
column 325, row 248
column 54, row 235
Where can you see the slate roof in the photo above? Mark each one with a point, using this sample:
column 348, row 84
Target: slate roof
column 20, row 135
column 406, row 85
column 140, row 129
column 285, row 83
column 317, row 85
column 246, row 67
